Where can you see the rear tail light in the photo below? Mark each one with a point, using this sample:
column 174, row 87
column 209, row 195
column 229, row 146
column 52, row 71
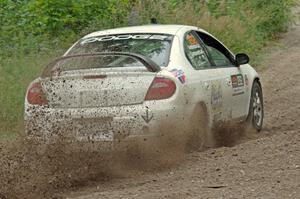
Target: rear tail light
column 161, row 88
column 36, row 95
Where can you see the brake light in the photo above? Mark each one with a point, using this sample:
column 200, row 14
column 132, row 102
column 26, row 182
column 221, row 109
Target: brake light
column 36, row 95
column 161, row 88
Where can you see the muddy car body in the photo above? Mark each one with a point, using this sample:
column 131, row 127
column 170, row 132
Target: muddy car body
column 132, row 82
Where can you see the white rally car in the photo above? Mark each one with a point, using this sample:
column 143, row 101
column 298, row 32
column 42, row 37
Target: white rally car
column 133, row 82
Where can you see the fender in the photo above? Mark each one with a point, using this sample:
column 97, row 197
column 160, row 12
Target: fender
column 253, row 76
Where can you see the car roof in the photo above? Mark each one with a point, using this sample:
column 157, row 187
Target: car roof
column 153, row 28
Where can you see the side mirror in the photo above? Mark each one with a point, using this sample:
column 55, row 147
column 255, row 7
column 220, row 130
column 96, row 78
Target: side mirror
column 242, row 59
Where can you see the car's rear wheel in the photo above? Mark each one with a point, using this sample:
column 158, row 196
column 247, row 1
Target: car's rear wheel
column 256, row 108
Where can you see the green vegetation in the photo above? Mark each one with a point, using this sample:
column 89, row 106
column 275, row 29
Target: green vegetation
column 244, row 26
column 35, row 31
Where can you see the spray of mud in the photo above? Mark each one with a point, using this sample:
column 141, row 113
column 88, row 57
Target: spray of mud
column 231, row 133
column 30, row 169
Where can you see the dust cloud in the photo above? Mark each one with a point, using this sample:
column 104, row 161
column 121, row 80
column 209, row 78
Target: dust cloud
column 33, row 169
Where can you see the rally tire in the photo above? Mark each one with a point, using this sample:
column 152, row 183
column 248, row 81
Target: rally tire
column 256, row 108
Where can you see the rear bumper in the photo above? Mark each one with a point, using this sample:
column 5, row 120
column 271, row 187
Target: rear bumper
column 109, row 124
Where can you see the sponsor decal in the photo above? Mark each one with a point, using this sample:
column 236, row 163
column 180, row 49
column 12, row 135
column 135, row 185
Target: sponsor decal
column 216, row 100
column 238, row 91
column 179, row 74
column 246, row 80
column 216, row 95
column 237, row 82
column 123, row 37
column 192, row 40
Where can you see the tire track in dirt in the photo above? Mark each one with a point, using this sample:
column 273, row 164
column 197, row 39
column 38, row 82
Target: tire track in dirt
column 265, row 166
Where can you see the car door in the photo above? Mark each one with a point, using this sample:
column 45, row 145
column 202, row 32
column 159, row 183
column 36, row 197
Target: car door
column 204, row 77
column 232, row 77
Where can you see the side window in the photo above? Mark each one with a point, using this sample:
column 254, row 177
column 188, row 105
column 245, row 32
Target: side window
column 219, row 54
column 195, row 53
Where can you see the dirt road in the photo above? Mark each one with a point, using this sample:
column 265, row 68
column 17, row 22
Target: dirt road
column 260, row 166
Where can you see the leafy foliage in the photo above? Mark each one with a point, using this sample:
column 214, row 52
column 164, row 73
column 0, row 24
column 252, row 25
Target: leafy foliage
column 32, row 25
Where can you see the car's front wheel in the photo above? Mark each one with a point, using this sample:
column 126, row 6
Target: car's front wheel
column 256, row 108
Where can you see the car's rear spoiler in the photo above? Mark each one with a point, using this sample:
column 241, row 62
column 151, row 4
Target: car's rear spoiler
column 147, row 62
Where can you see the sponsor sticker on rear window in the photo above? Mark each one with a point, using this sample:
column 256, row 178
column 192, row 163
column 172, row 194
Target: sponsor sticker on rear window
column 123, row 37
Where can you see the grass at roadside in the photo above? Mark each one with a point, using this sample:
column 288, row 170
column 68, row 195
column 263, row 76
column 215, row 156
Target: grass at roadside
column 244, row 26
column 15, row 75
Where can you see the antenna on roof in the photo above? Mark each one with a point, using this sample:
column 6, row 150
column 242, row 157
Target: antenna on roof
column 153, row 21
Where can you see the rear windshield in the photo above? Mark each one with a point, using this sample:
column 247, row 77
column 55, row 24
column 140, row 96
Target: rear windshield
column 154, row 46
